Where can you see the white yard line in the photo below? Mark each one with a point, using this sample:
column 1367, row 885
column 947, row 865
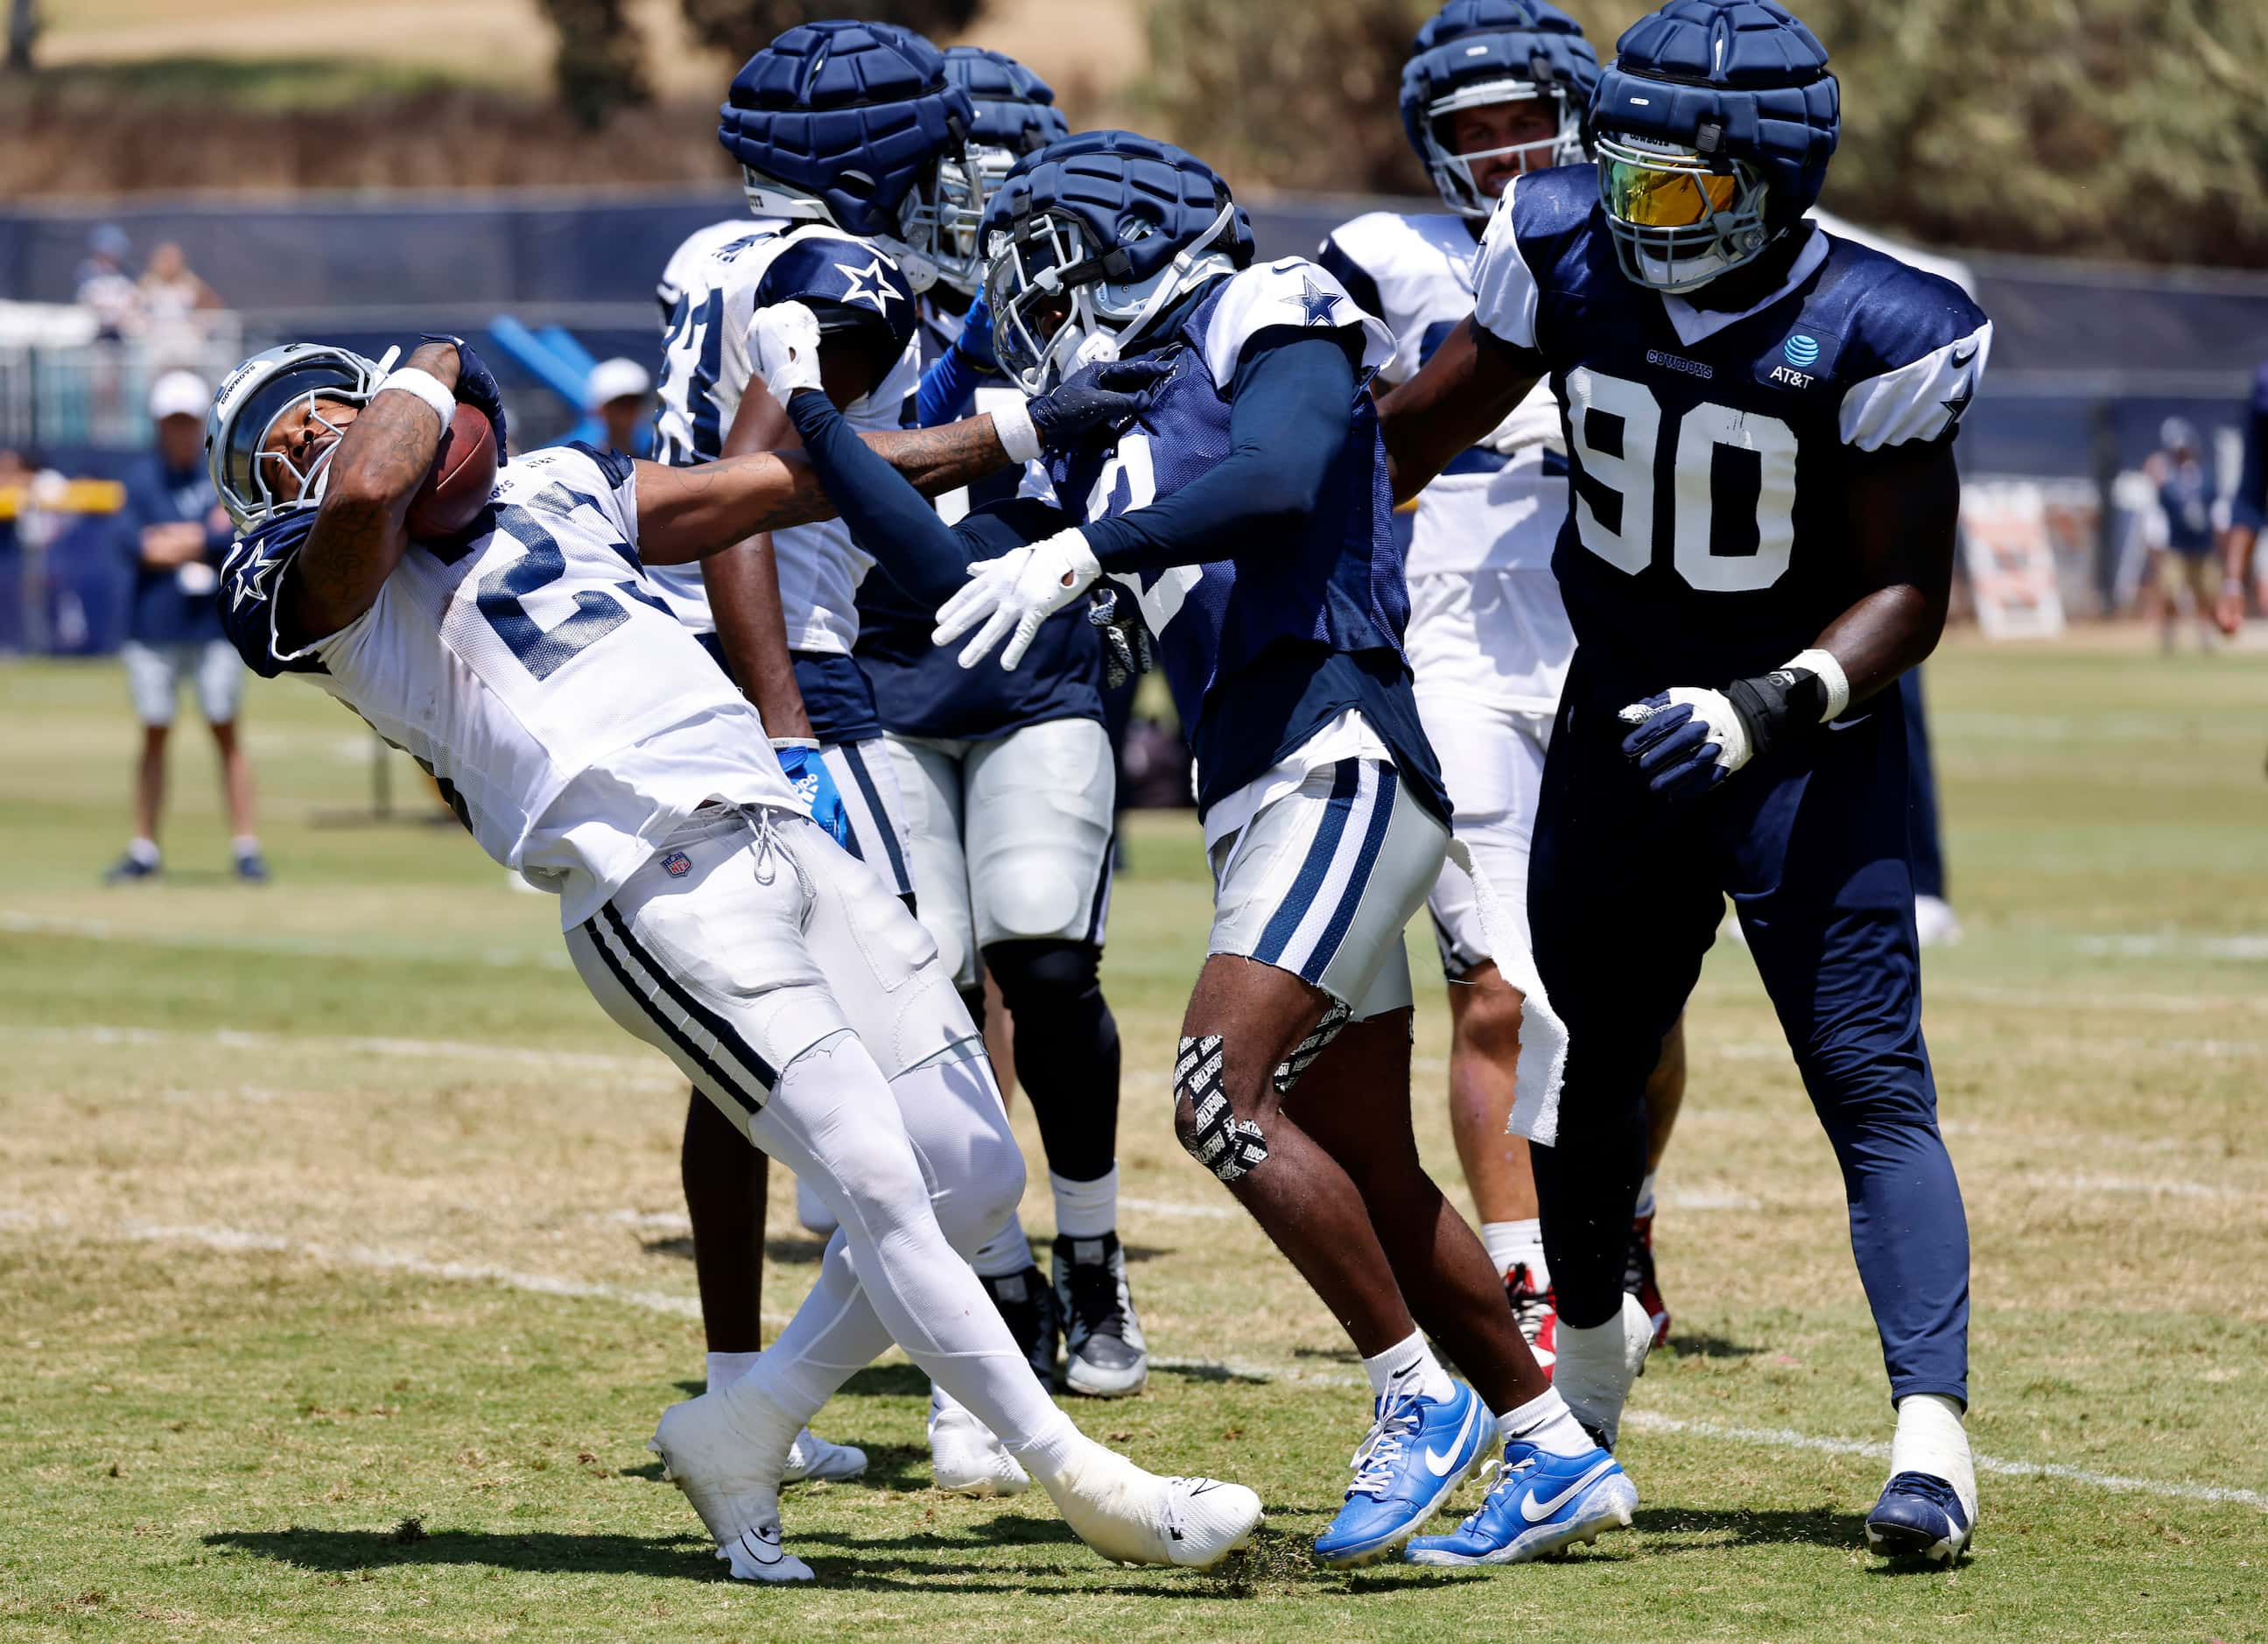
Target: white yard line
column 676, row 1306
column 239, row 1039
column 288, row 947
column 1788, row 1439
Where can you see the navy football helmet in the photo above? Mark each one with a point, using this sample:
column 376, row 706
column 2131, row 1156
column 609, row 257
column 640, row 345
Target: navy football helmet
column 1092, row 238
column 1712, row 126
column 1475, row 53
column 845, row 122
column 255, row 482
column 1015, row 115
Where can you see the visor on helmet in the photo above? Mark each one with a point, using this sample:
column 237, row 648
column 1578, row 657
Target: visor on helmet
column 1679, row 219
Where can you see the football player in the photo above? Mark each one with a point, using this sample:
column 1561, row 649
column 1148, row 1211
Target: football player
column 1759, row 419
column 587, row 742
column 1009, row 781
column 839, row 128
column 1246, row 510
column 1493, row 89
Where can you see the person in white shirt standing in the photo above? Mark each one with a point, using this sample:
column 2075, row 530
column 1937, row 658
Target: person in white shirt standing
column 1492, row 88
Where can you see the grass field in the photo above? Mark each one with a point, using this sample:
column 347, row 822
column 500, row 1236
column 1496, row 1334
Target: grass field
column 343, row 1269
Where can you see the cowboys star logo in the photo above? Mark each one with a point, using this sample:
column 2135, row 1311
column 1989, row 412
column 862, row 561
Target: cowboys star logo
column 868, row 285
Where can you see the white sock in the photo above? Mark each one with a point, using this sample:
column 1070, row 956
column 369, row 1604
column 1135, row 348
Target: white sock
column 1510, row 1243
column 724, row 1368
column 1931, row 1438
column 1546, row 1422
column 144, row 851
column 1409, row 1365
column 1085, row 1209
column 244, row 844
column 1007, row 1252
column 1596, row 1366
column 1645, row 1205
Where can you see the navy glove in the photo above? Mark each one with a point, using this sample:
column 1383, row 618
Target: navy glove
column 976, row 338
column 1107, row 396
column 814, row 783
column 477, row 387
column 1126, row 648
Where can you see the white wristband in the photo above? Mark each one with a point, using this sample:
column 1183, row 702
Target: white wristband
column 425, row 386
column 1831, row 675
column 811, row 742
column 1012, row 425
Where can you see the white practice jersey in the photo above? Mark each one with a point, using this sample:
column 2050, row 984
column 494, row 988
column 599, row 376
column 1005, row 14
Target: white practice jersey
column 1496, row 508
column 570, row 718
column 712, row 287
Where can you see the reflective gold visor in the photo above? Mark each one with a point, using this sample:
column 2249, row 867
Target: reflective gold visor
column 1651, row 196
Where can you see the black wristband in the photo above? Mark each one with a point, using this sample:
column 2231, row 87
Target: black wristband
column 1772, row 707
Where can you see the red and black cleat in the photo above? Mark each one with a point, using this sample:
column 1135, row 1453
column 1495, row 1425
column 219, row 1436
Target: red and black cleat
column 1536, row 1312
column 1638, row 1276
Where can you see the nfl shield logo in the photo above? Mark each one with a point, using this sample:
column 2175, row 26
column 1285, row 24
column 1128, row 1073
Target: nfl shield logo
column 677, row 864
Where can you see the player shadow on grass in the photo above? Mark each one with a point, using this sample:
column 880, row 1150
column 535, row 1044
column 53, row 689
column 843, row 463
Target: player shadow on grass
column 1681, row 1530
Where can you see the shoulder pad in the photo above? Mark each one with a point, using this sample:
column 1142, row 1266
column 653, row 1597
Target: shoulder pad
column 1289, row 291
column 1921, row 347
column 249, row 577
column 848, row 275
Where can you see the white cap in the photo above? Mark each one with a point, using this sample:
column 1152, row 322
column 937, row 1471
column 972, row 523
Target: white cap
column 614, row 379
column 180, row 394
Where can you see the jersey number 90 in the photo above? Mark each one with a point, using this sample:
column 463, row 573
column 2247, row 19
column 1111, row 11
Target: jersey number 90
column 1732, row 494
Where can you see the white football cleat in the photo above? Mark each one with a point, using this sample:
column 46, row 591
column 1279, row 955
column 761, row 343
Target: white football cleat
column 812, row 1457
column 1130, row 1516
column 965, row 1459
column 1596, row 1367
column 726, row 1451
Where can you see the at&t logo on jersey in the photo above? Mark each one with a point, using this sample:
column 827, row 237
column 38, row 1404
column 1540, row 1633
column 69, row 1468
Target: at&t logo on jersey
column 1805, row 360
column 676, row 864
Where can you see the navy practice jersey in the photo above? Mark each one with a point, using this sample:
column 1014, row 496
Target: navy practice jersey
column 921, row 691
column 1263, row 650
column 1707, row 534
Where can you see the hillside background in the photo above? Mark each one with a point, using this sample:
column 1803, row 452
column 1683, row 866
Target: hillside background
column 2134, row 130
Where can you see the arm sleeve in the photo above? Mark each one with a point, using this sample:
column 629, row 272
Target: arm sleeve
column 1288, row 424
column 2250, row 506
column 892, row 520
column 948, row 388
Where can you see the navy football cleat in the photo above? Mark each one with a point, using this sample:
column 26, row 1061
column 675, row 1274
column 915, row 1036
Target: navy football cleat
column 1418, row 1450
column 1919, row 1516
column 1539, row 1505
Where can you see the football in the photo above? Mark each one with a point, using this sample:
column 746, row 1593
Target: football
column 462, row 476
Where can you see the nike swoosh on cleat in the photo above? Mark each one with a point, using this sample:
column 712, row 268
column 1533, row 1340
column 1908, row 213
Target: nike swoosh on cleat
column 1439, row 1464
column 1536, row 1513
column 765, row 1548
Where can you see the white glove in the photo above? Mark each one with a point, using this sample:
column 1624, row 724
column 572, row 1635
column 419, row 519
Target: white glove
column 783, row 348
column 1013, row 594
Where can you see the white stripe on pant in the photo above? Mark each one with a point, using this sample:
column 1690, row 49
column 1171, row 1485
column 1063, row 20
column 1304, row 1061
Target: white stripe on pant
column 770, row 948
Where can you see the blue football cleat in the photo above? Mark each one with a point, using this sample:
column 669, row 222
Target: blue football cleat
column 1920, row 1515
column 1540, row 1504
column 1417, row 1451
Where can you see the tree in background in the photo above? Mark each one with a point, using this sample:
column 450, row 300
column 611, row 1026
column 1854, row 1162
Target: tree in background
column 23, row 29
column 741, row 28
column 601, row 65
column 2133, row 130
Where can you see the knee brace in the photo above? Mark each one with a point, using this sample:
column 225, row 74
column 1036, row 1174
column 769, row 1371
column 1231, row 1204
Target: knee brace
column 1288, row 1070
column 1213, row 1134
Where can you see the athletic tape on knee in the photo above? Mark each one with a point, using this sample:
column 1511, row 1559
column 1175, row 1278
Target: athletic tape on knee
column 1288, row 1070
column 1218, row 1139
